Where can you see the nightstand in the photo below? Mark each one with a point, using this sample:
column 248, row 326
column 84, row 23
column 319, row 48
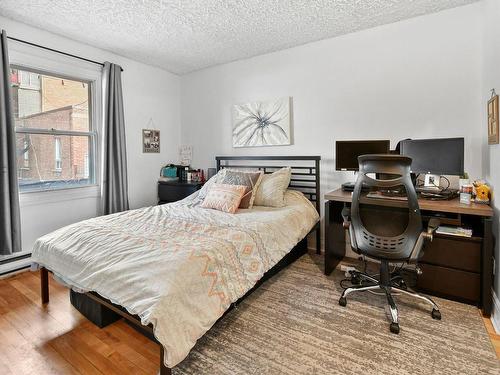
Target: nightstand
column 171, row 191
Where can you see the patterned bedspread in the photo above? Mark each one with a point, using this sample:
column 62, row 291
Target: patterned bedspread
column 177, row 266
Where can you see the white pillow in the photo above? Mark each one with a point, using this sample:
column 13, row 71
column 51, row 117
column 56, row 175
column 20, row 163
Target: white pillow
column 271, row 191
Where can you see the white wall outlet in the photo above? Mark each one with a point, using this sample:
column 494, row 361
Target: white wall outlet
column 432, row 181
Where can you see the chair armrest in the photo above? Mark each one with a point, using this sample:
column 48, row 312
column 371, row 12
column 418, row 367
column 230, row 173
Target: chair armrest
column 432, row 226
column 346, row 215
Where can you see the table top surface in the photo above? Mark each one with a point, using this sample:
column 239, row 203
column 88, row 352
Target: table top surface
column 180, row 183
column 452, row 205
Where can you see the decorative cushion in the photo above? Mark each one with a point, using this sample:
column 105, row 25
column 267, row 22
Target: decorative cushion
column 271, row 191
column 224, row 197
column 249, row 179
column 211, row 181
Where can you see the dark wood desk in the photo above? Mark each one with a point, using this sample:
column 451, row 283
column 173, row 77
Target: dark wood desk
column 463, row 265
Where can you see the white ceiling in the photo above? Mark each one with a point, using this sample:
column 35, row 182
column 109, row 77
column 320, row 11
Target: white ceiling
column 182, row 36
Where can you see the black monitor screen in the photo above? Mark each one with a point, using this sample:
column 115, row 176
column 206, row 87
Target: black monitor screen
column 347, row 152
column 443, row 156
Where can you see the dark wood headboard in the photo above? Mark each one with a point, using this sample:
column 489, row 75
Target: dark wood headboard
column 305, row 170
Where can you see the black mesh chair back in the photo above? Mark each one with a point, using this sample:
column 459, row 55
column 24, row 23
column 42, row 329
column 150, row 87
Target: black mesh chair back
column 390, row 247
column 399, row 237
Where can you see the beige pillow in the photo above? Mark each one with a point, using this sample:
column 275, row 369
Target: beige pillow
column 249, row 179
column 271, row 191
column 224, row 197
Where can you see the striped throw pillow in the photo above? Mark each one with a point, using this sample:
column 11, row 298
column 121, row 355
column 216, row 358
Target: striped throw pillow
column 249, row 179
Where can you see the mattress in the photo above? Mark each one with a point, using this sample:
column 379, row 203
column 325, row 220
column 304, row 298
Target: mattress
column 177, row 266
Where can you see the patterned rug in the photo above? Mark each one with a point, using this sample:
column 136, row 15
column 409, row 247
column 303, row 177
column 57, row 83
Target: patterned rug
column 293, row 324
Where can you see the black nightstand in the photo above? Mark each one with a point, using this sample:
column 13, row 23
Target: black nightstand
column 171, row 191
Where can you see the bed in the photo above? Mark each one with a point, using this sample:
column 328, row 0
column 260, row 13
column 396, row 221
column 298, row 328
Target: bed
column 175, row 269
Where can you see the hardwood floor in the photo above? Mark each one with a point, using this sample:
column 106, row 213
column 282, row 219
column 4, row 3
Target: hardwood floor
column 56, row 339
column 494, row 337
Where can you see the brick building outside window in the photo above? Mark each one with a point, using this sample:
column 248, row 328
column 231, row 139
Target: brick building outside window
column 54, row 132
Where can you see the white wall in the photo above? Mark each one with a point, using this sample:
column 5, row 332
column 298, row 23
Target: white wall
column 148, row 92
column 415, row 78
column 491, row 79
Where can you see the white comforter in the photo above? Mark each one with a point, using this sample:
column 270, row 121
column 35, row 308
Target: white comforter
column 177, row 266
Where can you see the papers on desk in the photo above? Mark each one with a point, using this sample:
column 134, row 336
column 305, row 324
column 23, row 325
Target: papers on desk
column 454, row 231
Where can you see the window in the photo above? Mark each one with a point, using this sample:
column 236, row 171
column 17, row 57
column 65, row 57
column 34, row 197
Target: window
column 54, row 130
column 57, row 154
column 28, row 80
column 26, row 151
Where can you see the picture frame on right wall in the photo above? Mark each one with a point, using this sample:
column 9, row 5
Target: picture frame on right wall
column 493, row 132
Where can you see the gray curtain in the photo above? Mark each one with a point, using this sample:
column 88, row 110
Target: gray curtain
column 10, row 219
column 114, row 174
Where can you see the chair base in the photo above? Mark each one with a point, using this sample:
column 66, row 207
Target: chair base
column 393, row 283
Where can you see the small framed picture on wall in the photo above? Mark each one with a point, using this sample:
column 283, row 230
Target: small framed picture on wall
column 150, row 141
column 493, row 136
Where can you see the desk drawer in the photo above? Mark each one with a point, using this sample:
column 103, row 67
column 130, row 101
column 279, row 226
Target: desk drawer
column 460, row 253
column 462, row 285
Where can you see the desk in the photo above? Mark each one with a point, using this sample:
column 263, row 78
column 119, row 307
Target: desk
column 453, row 262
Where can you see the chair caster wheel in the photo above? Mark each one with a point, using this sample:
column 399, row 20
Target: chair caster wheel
column 394, row 328
column 436, row 314
column 342, row 301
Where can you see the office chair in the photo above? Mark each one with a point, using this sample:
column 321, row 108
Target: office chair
column 401, row 238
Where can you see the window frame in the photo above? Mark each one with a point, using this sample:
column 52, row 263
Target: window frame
column 49, row 63
column 91, row 133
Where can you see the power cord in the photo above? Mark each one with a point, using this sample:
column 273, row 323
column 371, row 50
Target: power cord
column 439, row 186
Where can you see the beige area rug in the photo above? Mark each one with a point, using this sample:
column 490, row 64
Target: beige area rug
column 293, row 324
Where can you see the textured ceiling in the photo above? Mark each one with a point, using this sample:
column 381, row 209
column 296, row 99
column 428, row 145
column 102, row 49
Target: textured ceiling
column 186, row 35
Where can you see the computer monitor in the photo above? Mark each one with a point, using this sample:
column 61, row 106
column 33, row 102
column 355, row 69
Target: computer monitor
column 439, row 156
column 347, row 152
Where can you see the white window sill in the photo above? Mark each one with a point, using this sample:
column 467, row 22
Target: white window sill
column 37, row 198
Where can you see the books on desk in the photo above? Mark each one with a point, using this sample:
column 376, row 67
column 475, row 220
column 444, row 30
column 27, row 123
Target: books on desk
column 454, row 231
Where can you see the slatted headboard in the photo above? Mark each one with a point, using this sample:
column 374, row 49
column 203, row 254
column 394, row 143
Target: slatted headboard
column 305, row 175
column 305, row 170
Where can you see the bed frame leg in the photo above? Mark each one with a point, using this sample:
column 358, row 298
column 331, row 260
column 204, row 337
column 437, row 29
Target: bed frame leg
column 44, row 285
column 164, row 370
